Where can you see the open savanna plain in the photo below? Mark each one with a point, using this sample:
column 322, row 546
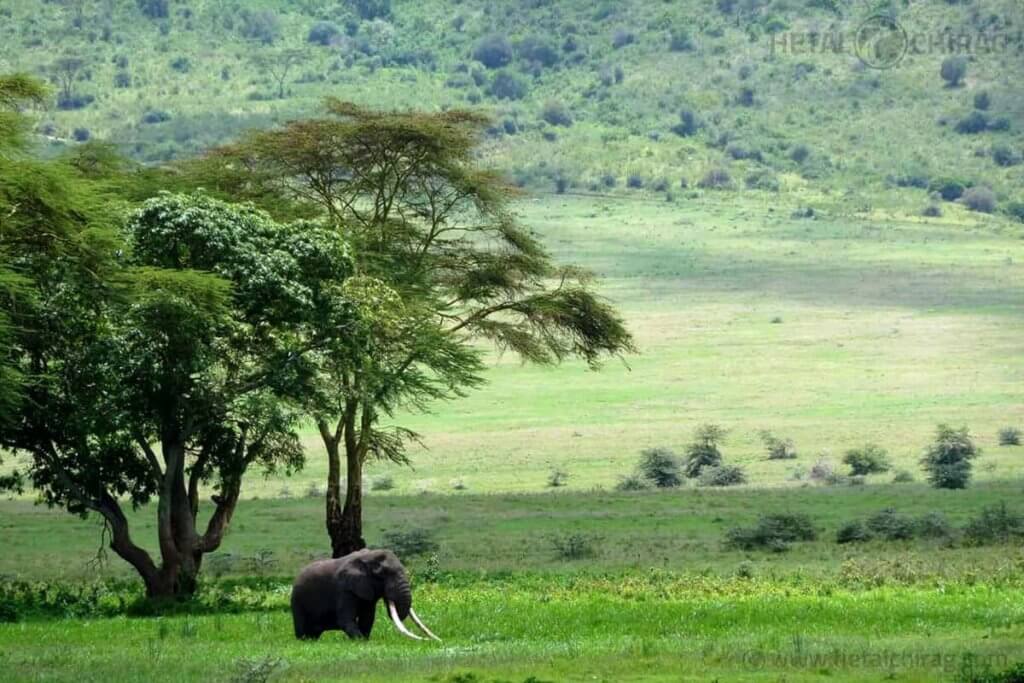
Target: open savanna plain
column 850, row 327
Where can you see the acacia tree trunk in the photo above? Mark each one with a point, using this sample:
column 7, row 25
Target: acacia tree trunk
column 344, row 521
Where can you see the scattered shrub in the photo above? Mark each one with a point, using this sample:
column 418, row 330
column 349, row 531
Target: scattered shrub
column 933, row 525
column 982, row 101
column 323, row 33
column 154, row 9
column 122, row 79
column 722, row 475
column 778, row 449
column 704, row 451
column 772, row 532
column 679, row 40
column 557, row 478
column 458, row 484
column 622, row 37
column 800, row 153
column 746, row 97
column 763, row 179
column 155, row 116
column 575, row 546
column 556, row 114
column 493, row 51
column 688, row 124
column 980, row 199
column 257, row 670
column 81, row 134
column 974, row 123
column 507, row 86
column 950, row 189
column 368, row 10
column 853, row 532
column 660, row 466
column 263, row 26
column 635, row 181
column 384, row 482
column 1009, row 436
column 822, row 470
column 953, row 70
column 890, row 525
column 537, row 51
column 902, row 477
column 948, row 459
column 632, row 482
column 411, row 542
column 716, row 179
column 868, row 459
column 1015, row 210
column 995, row 524
column 1006, row 156
column 932, row 211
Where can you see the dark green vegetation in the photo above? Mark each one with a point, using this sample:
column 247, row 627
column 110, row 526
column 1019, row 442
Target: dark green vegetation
column 649, row 96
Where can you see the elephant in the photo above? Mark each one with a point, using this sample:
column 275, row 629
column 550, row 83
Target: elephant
column 342, row 594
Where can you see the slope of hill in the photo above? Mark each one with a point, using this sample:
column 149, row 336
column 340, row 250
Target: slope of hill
column 671, row 98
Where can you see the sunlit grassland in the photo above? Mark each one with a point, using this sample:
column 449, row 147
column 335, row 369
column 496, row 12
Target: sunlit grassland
column 832, row 332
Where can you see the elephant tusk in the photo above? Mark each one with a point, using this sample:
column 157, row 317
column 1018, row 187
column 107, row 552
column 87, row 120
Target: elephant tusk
column 393, row 611
column 423, row 627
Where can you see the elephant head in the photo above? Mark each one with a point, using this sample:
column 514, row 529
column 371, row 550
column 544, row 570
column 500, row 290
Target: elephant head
column 373, row 575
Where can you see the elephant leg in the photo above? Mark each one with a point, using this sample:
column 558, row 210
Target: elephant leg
column 367, row 613
column 347, row 621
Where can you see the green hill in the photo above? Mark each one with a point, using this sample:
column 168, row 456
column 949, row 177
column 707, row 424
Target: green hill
column 673, row 98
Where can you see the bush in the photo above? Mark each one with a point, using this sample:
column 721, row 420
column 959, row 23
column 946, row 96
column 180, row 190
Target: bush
column 772, row 532
column 632, row 482
column 1006, row 156
column 822, row 470
column 890, row 525
column 980, row 199
column 263, row 26
column 506, row 86
column 622, row 37
column 716, row 179
column 902, row 477
column 181, row 64
column 932, row 211
column 950, row 189
column 660, row 466
column 368, row 10
column 722, row 475
column 995, row 524
column 974, row 123
column 557, row 478
column 868, row 459
column 704, row 451
column 493, row 51
column 634, row 181
column 411, row 542
column 948, row 459
column 680, row 40
column 778, row 449
column 154, row 9
column 688, row 124
column 800, row 153
column 155, row 116
column 763, row 179
column 323, row 33
column 575, row 546
column 537, row 51
column 953, row 70
column 1015, row 210
column 555, row 113
column 933, row 525
column 384, row 482
column 1009, row 436
column 81, row 134
column 853, row 532
column 122, row 79
column 982, row 101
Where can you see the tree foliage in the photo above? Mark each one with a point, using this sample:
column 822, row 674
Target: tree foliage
column 948, row 459
column 441, row 264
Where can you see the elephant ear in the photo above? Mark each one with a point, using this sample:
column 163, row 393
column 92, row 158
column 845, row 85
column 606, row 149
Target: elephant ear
column 354, row 576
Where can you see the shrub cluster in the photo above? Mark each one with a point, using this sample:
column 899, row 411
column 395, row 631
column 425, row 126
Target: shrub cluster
column 778, row 449
column 868, row 459
column 411, row 542
column 772, row 532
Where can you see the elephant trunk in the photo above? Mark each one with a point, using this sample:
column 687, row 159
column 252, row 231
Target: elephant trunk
column 398, row 592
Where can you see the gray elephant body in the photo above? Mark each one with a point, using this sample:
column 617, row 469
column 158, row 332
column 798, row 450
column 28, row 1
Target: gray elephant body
column 342, row 594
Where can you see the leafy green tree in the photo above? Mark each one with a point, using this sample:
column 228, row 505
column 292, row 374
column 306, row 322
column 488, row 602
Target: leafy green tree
column 948, row 460
column 441, row 265
column 660, row 466
column 158, row 361
column 868, row 459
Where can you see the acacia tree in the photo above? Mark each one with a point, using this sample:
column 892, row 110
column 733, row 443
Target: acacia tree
column 441, row 261
column 167, row 369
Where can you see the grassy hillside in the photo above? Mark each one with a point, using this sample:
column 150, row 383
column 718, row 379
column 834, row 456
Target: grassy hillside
column 585, row 95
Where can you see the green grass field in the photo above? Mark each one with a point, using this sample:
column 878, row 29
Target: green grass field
column 889, row 325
